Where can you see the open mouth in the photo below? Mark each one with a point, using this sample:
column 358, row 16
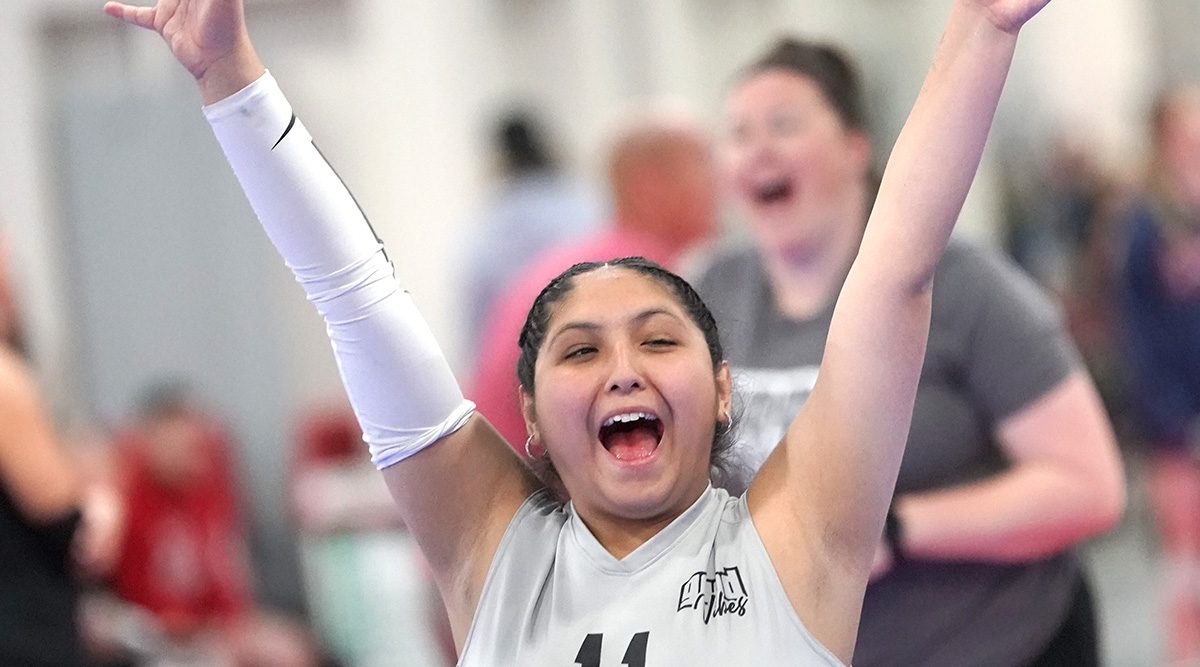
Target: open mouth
column 632, row 435
column 774, row 191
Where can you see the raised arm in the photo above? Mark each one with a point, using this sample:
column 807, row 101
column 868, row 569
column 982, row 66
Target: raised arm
column 820, row 500
column 456, row 482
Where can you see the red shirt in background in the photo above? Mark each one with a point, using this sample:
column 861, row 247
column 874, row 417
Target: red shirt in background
column 183, row 556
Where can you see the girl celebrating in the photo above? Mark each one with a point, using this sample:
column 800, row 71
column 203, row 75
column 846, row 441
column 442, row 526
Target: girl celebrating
column 625, row 390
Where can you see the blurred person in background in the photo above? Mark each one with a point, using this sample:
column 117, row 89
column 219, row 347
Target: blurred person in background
column 1161, row 322
column 41, row 492
column 1062, row 210
column 1055, row 201
column 535, row 206
column 357, row 555
column 663, row 186
column 1010, row 461
column 334, row 487
column 183, row 563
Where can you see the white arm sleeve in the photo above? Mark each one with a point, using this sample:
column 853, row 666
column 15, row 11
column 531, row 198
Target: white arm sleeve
column 399, row 383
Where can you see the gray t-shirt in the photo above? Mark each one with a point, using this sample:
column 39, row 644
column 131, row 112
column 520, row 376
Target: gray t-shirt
column 700, row 592
column 996, row 344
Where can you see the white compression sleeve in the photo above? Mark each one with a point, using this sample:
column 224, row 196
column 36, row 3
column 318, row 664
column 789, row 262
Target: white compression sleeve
column 399, row 383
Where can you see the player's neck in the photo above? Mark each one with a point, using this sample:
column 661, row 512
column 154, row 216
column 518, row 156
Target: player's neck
column 620, row 535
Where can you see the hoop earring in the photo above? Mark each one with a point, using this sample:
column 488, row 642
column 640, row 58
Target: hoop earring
column 727, row 423
column 528, row 450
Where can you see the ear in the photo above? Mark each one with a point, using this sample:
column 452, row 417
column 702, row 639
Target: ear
column 528, row 411
column 724, row 393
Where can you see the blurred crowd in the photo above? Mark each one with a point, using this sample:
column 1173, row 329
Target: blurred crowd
column 1123, row 257
column 140, row 528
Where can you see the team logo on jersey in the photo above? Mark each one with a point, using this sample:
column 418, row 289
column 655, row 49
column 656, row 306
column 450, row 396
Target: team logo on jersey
column 721, row 594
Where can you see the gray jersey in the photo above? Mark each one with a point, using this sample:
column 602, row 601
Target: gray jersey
column 700, row 592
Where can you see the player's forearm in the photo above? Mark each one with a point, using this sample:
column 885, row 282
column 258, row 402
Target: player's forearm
column 1029, row 512
column 401, row 388
column 938, row 151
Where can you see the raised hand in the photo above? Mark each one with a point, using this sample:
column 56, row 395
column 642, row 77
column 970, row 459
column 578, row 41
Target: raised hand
column 208, row 37
column 1010, row 15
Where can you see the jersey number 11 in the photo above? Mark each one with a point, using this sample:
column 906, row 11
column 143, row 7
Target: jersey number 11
column 635, row 653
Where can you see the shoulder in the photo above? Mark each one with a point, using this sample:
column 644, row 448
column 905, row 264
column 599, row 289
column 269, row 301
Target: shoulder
column 1008, row 331
column 973, row 276
column 526, row 550
column 523, row 561
column 965, row 258
column 540, row 516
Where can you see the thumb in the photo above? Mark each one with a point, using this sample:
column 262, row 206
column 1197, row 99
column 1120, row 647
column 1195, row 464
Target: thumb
column 142, row 17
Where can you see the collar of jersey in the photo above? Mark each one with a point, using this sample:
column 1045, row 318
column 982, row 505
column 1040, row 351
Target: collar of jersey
column 651, row 550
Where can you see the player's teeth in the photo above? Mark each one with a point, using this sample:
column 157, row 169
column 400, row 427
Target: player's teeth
column 629, row 417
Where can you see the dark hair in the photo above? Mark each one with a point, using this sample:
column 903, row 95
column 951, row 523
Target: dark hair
column 533, row 334
column 521, row 144
column 826, row 65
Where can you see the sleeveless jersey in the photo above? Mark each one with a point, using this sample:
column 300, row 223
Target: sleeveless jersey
column 700, row 592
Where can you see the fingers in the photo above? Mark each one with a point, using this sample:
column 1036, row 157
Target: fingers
column 139, row 16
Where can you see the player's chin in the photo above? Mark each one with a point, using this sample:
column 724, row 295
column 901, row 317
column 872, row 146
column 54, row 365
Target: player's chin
column 646, row 498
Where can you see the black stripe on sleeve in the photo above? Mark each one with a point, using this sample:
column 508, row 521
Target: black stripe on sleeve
column 355, row 200
column 291, row 124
